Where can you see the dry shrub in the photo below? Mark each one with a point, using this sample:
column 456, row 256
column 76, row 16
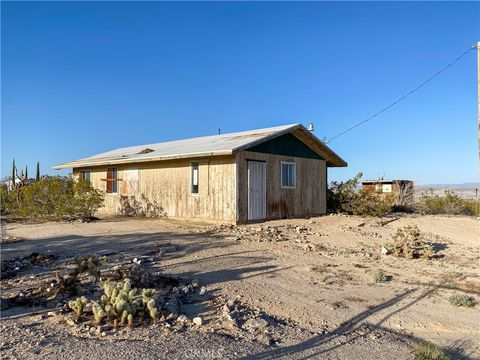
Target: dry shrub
column 462, row 300
column 379, row 276
column 410, row 244
column 428, row 351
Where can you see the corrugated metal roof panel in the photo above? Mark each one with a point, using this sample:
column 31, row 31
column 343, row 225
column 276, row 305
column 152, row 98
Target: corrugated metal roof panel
column 215, row 145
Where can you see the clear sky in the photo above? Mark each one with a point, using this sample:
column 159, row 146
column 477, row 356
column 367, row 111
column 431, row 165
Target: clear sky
column 79, row 78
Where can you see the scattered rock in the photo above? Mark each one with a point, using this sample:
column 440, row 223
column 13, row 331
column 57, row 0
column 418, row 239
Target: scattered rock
column 256, row 324
column 264, row 339
column 197, row 321
column 182, row 319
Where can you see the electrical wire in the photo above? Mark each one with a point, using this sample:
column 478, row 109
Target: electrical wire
column 404, row 96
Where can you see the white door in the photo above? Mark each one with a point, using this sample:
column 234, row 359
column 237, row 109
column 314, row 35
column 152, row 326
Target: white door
column 257, row 194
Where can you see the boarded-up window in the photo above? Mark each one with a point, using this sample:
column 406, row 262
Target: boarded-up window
column 112, row 183
column 288, row 171
column 84, row 175
column 130, row 177
column 195, row 178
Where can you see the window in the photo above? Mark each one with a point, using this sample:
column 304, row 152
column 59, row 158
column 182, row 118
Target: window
column 195, row 178
column 84, row 175
column 288, row 175
column 387, row 188
column 112, row 182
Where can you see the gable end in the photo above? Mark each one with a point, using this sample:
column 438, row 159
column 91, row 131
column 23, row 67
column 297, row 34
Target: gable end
column 287, row 145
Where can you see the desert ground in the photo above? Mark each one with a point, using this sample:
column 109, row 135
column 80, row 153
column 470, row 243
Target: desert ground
column 297, row 288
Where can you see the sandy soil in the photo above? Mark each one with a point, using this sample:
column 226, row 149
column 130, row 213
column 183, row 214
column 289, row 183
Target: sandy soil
column 318, row 275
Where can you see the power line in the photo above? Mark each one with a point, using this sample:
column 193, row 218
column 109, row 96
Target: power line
column 404, row 96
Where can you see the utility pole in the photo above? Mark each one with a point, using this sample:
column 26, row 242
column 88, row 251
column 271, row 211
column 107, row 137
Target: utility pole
column 478, row 95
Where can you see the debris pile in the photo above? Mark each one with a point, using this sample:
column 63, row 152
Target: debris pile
column 238, row 320
column 359, row 229
column 264, row 233
column 11, row 267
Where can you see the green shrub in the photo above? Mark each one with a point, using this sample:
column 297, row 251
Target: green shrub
column 462, row 300
column 343, row 197
column 455, row 274
column 54, row 198
column 450, row 204
column 428, row 351
column 379, row 276
column 5, row 198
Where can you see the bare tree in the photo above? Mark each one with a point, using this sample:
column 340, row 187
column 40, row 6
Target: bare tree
column 405, row 192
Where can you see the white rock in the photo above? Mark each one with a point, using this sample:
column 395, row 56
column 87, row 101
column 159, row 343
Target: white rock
column 197, row 321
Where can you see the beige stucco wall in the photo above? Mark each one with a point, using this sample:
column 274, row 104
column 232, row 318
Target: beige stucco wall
column 166, row 186
column 307, row 199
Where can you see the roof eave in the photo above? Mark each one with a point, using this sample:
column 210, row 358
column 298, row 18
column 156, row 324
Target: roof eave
column 84, row 163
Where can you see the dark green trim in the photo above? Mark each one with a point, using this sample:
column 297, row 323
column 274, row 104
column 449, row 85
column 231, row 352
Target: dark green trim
column 287, row 145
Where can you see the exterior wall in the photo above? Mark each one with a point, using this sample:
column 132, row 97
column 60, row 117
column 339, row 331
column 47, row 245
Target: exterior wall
column 165, row 187
column 309, row 198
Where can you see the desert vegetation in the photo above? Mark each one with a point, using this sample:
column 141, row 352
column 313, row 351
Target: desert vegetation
column 410, row 243
column 347, row 198
column 450, row 203
column 51, row 198
column 462, row 300
column 427, row 351
column 343, row 197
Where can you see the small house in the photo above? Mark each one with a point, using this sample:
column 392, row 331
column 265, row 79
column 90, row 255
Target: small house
column 402, row 190
column 272, row 173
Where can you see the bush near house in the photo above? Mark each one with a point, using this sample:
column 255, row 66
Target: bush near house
column 344, row 197
column 52, row 199
column 4, row 198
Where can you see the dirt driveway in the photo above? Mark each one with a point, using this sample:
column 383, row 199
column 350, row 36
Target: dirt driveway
column 317, row 273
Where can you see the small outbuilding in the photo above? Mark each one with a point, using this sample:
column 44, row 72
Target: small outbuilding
column 272, row 173
column 402, row 190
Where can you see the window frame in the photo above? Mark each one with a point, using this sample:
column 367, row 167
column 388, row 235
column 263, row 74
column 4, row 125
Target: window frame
column 294, row 186
column 113, row 181
column 81, row 174
column 194, row 188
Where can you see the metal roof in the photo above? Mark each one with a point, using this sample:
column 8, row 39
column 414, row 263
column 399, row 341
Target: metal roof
column 381, row 181
column 224, row 144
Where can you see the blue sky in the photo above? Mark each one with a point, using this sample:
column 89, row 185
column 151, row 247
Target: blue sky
column 80, row 78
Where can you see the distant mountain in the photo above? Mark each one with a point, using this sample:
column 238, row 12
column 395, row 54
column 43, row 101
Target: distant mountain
column 450, row 186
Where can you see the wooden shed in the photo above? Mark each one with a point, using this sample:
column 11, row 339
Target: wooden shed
column 272, row 173
column 402, row 190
